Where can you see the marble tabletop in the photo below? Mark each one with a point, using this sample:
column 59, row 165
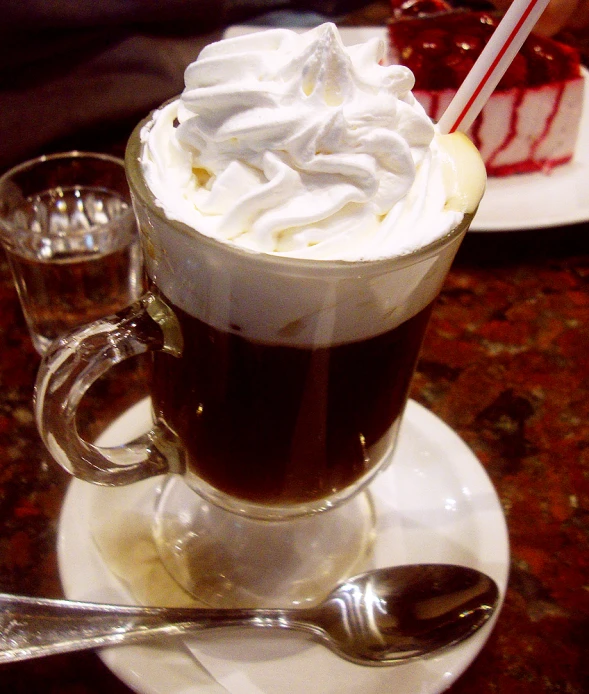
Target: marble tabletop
column 504, row 364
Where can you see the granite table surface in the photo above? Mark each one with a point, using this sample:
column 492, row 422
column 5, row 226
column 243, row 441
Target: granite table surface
column 504, row 363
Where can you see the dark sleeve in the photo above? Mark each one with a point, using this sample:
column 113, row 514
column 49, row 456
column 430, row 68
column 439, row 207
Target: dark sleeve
column 68, row 14
column 44, row 14
column 75, row 66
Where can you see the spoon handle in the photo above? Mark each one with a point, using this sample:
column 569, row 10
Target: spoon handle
column 35, row 627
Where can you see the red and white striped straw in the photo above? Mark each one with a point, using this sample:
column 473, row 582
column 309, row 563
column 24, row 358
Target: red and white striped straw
column 491, row 65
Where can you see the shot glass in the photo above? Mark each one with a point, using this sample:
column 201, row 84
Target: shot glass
column 71, row 239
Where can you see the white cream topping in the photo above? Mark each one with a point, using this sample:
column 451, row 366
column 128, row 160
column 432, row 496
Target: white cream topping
column 293, row 144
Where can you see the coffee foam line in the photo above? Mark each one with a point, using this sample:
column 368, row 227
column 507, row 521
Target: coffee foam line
column 284, row 301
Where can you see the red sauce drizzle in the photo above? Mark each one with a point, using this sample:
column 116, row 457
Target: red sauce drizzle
column 549, row 120
column 512, row 130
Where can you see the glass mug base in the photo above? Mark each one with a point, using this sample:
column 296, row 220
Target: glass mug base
column 226, row 560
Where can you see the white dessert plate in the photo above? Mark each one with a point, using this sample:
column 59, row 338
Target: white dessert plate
column 525, row 201
column 434, row 503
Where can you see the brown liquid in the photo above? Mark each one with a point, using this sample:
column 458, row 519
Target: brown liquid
column 65, row 293
column 274, row 424
column 79, row 261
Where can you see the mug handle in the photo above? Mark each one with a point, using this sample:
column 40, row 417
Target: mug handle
column 74, row 363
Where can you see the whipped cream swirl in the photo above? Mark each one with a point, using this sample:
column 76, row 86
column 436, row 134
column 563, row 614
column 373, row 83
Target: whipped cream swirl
column 293, row 144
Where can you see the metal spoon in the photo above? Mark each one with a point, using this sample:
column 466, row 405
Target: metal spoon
column 377, row 618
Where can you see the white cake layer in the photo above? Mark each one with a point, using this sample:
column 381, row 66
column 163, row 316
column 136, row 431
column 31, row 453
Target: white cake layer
column 521, row 129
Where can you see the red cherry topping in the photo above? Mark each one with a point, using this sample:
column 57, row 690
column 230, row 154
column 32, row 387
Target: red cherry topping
column 460, row 66
column 432, row 42
column 416, row 8
column 516, row 74
column 440, row 45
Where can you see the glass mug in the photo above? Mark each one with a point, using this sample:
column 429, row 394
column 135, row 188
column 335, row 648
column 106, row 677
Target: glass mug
column 278, row 383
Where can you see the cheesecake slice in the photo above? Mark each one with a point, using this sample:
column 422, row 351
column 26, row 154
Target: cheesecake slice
column 530, row 122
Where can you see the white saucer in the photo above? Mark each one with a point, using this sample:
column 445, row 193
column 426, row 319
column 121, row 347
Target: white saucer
column 513, row 203
column 434, row 503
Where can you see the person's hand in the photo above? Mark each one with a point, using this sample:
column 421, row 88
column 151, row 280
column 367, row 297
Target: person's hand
column 560, row 14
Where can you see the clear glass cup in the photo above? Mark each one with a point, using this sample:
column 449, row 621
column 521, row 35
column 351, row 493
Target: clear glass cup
column 277, row 391
column 69, row 232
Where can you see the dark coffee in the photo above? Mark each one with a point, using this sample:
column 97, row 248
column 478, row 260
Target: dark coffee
column 274, row 424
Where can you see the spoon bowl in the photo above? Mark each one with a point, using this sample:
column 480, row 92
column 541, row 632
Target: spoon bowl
column 380, row 617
